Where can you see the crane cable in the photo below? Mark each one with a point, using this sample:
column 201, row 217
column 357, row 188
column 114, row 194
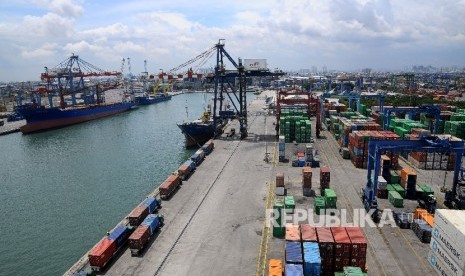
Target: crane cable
column 206, row 53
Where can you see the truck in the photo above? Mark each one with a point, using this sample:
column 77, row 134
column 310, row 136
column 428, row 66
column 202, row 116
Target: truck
column 169, row 186
column 142, row 235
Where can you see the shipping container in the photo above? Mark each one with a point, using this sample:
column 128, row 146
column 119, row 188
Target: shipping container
column 307, row 177
column 293, row 252
column 151, row 203
column 326, row 245
column 191, row 164
column 255, row 64
column 330, row 198
column 208, row 146
column 342, row 242
column 395, row 199
column 294, row 270
column 438, row 264
column 119, row 234
column 312, row 258
column 289, row 204
column 184, row 172
column 275, row 267
column 197, row 159
column 138, row 215
column 292, row 232
column 319, row 205
column 422, row 230
column 280, row 179
column 101, row 254
column 443, row 254
column 449, row 231
column 169, row 186
column 153, row 222
column 138, row 239
column 308, row 233
column 358, row 241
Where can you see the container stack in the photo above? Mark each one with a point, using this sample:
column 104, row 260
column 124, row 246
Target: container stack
column 294, row 253
column 422, row 230
column 342, row 248
column 275, row 267
column 294, row 125
column 323, row 250
column 278, row 230
column 324, row 179
column 447, row 255
column 395, row 199
column 309, row 153
column 289, row 204
column 319, row 205
column 307, row 181
column 402, row 219
column 358, row 146
column 326, row 243
column 294, row 270
column 359, row 247
column 312, row 258
column 408, row 181
column 382, row 191
column 330, row 199
column 282, row 148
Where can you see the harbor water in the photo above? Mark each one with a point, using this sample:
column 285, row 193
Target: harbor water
column 61, row 190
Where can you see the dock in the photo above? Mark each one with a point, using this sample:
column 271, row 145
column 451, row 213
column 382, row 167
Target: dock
column 215, row 222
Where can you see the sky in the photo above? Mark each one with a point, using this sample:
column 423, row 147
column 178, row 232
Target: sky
column 344, row 35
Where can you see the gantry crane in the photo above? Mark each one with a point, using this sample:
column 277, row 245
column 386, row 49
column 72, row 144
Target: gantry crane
column 453, row 197
column 432, row 110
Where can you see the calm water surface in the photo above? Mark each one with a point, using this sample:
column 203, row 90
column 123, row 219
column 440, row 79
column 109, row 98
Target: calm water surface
column 61, row 190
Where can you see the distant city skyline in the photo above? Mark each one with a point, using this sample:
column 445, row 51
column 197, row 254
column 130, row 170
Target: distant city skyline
column 384, row 35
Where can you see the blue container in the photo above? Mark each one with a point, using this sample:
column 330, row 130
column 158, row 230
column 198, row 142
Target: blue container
column 152, row 221
column 196, row 158
column 151, row 203
column 119, row 235
column 282, row 146
column 294, row 270
column 293, row 252
column 312, row 259
column 190, row 164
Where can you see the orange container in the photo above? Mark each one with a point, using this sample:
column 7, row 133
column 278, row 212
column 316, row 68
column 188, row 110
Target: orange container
column 428, row 218
column 292, row 232
column 275, row 267
column 419, row 212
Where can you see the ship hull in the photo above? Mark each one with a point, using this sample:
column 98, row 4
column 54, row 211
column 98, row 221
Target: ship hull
column 148, row 101
column 46, row 119
column 197, row 134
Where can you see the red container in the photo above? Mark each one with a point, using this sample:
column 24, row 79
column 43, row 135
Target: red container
column 138, row 215
column 326, row 242
column 300, row 154
column 324, row 177
column 101, row 253
column 342, row 242
column 139, row 238
column 168, row 187
column 280, row 179
column 292, row 232
column 358, row 241
column 308, row 233
column 307, row 177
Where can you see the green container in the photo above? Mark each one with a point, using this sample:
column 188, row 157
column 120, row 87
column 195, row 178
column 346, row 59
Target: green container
column 401, row 131
column 426, row 189
column 330, row 198
column 390, row 187
column 289, row 204
column 352, row 271
column 395, row 179
column 319, row 205
column 395, row 199
column 399, row 189
column 278, row 231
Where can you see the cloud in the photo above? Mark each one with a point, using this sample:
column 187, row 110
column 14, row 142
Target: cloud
column 46, row 50
column 66, row 8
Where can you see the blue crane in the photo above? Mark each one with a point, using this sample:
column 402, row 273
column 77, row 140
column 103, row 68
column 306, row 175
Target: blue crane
column 453, row 197
column 432, row 110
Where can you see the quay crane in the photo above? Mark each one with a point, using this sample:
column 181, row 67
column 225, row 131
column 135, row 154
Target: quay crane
column 68, row 78
column 431, row 110
column 454, row 197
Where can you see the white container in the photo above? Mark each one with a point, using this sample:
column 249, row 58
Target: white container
column 279, row 191
column 382, row 183
column 449, row 232
column 443, row 254
column 282, row 138
column 441, row 267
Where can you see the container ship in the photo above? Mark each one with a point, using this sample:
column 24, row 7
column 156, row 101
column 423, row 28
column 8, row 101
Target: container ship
column 38, row 118
column 147, row 99
column 199, row 131
column 73, row 78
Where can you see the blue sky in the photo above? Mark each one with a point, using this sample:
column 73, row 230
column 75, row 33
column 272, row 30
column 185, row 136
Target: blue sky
column 290, row 34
